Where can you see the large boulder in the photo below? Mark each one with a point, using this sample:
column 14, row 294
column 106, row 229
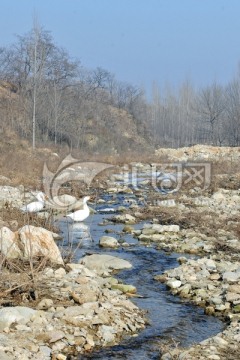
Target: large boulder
column 37, row 241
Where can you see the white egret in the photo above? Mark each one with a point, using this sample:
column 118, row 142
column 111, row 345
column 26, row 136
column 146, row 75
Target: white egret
column 82, row 214
column 35, row 206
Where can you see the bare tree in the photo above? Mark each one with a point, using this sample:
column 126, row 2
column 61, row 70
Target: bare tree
column 210, row 106
column 232, row 127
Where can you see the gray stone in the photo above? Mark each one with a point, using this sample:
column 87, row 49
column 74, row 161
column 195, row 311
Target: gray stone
column 210, row 265
column 46, row 351
column 107, row 333
column 55, row 336
column 104, row 263
column 174, row 284
column 231, row 276
column 108, row 242
column 230, row 296
column 15, row 314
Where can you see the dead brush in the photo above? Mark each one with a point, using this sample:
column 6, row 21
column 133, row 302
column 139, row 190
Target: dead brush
column 15, row 218
column 168, row 216
column 226, row 175
column 171, row 348
column 230, row 353
column 19, row 280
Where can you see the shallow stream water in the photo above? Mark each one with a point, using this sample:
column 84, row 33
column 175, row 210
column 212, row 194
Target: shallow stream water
column 169, row 316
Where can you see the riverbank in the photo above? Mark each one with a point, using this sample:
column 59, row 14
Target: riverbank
column 205, row 223
column 66, row 312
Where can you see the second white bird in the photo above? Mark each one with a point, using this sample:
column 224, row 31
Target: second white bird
column 82, row 214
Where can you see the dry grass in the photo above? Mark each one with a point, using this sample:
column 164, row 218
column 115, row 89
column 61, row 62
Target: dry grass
column 15, row 218
column 171, row 347
column 21, row 282
column 24, row 166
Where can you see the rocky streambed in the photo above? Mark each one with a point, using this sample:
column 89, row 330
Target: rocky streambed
column 71, row 309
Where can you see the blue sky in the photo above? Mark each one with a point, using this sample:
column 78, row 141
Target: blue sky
column 140, row 41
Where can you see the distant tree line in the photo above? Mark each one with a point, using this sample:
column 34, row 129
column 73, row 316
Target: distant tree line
column 53, row 98
column 210, row 115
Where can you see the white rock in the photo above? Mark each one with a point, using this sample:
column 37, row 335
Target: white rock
column 108, row 241
column 231, row 277
column 166, row 228
column 107, row 333
column 8, row 244
column 174, row 284
column 38, row 241
column 167, row 203
column 15, row 314
column 220, row 341
column 210, row 265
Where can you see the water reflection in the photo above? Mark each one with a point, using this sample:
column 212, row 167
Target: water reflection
column 76, row 232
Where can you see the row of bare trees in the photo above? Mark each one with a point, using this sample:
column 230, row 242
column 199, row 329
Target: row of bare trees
column 210, row 115
column 54, row 98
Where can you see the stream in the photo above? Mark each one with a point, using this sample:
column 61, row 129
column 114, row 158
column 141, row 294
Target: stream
column 170, row 318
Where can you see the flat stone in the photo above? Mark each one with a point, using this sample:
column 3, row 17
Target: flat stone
column 230, row 296
column 107, row 333
column 55, row 336
column 166, row 228
column 214, row 276
column 125, row 288
column 220, row 341
column 231, row 276
column 216, row 300
column 148, row 231
column 15, row 314
column 104, row 263
column 234, row 288
column 46, row 351
column 213, row 357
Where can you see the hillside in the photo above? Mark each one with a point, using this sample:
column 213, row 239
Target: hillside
column 109, row 130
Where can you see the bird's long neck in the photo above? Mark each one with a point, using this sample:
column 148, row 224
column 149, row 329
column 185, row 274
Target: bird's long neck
column 85, row 206
column 40, row 199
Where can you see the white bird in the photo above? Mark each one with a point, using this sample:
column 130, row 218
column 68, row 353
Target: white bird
column 82, row 214
column 35, row 206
